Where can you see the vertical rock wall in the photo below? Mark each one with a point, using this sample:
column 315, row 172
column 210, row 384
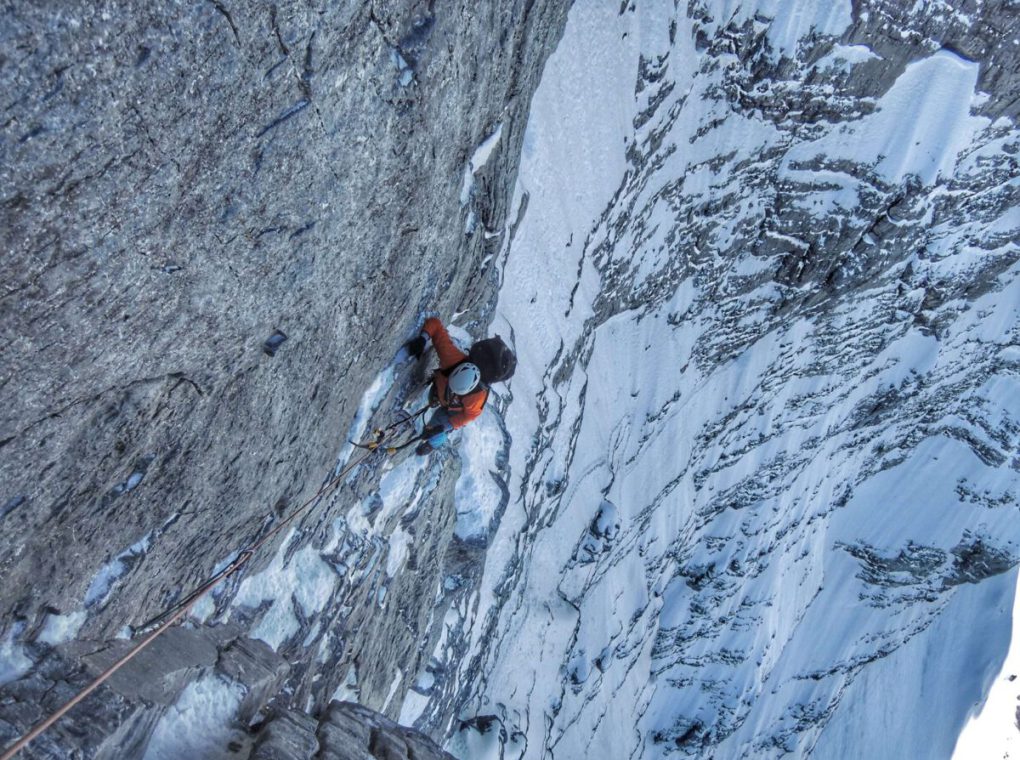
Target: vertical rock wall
column 178, row 183
column 179, row 180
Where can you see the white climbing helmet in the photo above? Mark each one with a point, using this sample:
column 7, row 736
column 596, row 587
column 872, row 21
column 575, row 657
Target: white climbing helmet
column 464, row 379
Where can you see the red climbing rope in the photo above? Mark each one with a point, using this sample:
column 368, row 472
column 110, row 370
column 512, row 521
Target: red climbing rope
column 175, row 613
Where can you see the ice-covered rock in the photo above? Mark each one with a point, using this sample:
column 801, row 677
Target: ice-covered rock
column 766, row 279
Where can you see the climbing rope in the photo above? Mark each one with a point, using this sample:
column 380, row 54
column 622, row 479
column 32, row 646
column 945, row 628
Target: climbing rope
column 154, row 627
column 378, row 436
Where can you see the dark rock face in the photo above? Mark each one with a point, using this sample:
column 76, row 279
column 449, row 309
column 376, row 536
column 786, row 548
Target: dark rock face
column 347, row 731
column 117, row 721
column 174, row 187
column 219, row 221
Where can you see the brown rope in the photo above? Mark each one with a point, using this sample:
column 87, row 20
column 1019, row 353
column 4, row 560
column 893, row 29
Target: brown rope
column 176, row 613
column 102, row 677
column 247, row 553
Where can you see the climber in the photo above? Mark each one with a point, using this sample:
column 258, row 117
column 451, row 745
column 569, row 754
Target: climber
column 460, row 387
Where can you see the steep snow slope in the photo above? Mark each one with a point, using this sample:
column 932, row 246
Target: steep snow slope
column 763, row 280
column 990, row 733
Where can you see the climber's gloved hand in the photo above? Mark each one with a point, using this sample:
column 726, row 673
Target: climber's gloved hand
column 416, row 346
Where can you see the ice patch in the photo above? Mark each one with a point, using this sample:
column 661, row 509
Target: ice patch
column 425, row 681
column 204, row 608
column 310, row 637
column 14, row 663
column 400, row 544
column 370, row 401
column 106, row 579
column 60, row 628
column 397, row 487
column 202, row 724
column 306, row 579
column 412, row 708
column 405, row 73
column 477, row 495
column 393, row 690
column 348, row 691
column 478, row 160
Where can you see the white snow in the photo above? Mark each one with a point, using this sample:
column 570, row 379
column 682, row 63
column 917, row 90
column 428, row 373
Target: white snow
column 477, row 161
column 397, row 678
column 992, row 729
column 397, row 487
column 477, row 495
column 596, row 635
column 14, row 663
column 920, row 126
column 205, row 607
column 305, row 580
column 847, row 56
column 202, row 724
column 412, row 708
column 400, row 544
column 370, row 401
column 61, row 628
column 106, row 579
column 348, row 690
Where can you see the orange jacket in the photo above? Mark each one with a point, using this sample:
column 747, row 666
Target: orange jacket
column 462, row 409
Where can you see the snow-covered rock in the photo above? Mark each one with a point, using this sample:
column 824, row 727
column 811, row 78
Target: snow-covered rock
column 767, row 306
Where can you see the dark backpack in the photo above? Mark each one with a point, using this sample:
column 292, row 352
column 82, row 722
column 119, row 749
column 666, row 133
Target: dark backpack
column 494, row 359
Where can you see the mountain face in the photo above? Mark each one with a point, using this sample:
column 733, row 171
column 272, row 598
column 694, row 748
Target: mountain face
column 751, row 492
column 763, row 441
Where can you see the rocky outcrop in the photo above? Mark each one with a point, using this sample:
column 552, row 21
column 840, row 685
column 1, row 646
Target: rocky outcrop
column 118, row 721
column 347, row 731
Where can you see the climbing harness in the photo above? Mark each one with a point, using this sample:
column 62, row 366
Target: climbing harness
column 154, row 627
column 380, row 434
